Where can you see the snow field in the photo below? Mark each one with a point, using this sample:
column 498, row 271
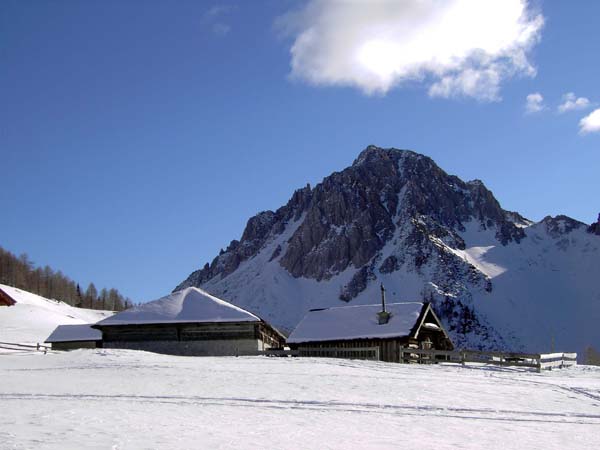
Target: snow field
column 33, row 318
column 121, row 399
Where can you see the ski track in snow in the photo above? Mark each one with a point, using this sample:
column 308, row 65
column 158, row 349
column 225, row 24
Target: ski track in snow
column 462, row 413
column 129, row 400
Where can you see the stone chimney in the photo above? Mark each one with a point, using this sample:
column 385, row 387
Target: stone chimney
column 383, row 316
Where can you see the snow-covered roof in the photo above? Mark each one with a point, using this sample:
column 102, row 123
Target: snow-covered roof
column 72, row 333
column 188, row 305
column 356, row 322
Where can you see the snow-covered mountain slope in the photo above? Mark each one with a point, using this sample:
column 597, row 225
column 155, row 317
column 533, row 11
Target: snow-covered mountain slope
column 545, row 289
column 32, row 318
column 496, row 279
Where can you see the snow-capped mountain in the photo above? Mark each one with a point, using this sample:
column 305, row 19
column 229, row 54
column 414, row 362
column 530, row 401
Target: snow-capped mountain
column 496, row 279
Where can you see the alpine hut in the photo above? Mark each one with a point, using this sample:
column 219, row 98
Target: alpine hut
column 369, row 331
column 70, row 337
column 189, row 322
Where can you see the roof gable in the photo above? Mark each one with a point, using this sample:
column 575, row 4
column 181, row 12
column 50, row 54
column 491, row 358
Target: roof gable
column 429, row 313
column 188, row 305
column 356, row 322
column 5, row 299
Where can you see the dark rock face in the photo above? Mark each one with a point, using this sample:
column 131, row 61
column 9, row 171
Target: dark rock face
column 354, row 213
column 347, row 222
column 389, row 264
column 357, row 284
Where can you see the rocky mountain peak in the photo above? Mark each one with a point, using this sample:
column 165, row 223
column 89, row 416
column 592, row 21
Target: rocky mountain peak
column 377, row 155
column 595, row 227
column 352, row 215
column 559, row 225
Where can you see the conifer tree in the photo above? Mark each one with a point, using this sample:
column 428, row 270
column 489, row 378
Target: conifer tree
column 79, row 301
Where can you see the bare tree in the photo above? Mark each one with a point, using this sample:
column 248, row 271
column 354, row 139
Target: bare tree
column 91, row 296
column 21, row 273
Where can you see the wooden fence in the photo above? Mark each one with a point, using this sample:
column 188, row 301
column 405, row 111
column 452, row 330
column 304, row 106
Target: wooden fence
column 279, row 352
column 557, row 360
column 341, row 352
column 535, row 361
column 507, row 359
column 371, row 353
column 24, row 347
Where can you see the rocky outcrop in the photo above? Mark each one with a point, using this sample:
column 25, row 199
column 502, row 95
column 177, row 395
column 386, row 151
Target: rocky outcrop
column 595, row 227
column 258, row 229
column 357, row 284
column 560, row 225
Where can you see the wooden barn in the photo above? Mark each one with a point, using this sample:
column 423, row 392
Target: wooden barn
column 369, row 331
column 71, row 337
column 5, row 299
column 189, row 322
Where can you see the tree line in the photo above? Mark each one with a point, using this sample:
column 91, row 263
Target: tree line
column 20, row 272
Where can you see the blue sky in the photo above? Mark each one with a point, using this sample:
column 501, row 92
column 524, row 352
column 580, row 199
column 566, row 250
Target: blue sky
column 136, row 141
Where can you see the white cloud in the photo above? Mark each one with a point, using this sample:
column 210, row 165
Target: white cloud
column 456, row 47
column 214, row 17
column 221, row 29
column 571, row 102
column 590, row 123
column 218, row 10
column 534, row 103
